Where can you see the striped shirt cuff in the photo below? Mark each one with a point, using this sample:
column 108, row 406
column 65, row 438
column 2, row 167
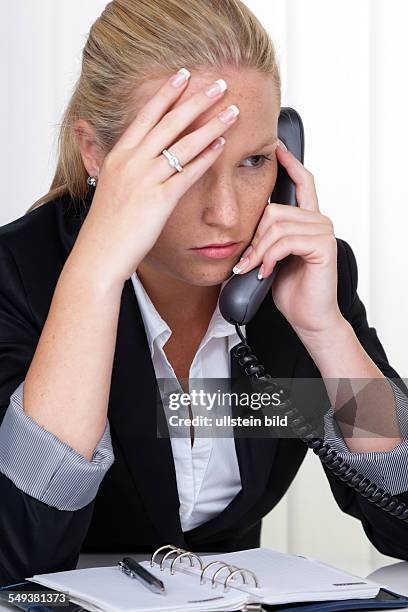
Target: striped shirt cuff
column 388, row 470
column 43, row 466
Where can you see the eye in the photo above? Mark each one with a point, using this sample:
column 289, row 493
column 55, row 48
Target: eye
column 264, row 159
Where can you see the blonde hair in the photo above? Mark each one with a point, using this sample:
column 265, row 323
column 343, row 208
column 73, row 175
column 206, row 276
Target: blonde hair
column 135, row 40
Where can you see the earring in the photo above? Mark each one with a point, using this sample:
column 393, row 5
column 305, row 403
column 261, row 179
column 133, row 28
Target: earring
column 91, row 181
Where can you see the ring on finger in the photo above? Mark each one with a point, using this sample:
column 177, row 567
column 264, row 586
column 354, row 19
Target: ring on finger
column 173, row 160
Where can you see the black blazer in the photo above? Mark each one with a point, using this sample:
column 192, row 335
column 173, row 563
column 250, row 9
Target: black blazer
column 137, row 505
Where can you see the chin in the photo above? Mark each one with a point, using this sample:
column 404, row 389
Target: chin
column 207, row 275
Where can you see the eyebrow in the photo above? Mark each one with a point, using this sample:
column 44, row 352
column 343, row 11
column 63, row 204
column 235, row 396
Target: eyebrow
column 270, row 140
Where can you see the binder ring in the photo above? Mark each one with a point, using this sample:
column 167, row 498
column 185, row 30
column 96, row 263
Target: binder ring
column 207, row 567
column 220, row 563
column 172, row 552
column 228, row 578
column 185, row 554
column 156, row 552
column 231, row 568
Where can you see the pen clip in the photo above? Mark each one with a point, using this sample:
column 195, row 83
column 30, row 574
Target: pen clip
column 126, row 569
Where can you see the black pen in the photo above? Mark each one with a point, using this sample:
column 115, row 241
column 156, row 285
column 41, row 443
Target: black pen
column 133, row 569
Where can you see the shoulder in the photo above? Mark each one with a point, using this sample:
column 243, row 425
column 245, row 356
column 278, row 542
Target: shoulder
column 48, row 231
column 347, row 275
column 29, row 234
column 34, row 248
column 29, row 228
column 32, row 228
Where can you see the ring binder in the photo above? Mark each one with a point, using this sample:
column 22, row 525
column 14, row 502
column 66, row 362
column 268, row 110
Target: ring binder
column 234, row 571
column 289, row 581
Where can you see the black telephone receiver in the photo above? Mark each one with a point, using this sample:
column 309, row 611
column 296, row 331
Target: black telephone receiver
column 239, row 301
column 243, row 294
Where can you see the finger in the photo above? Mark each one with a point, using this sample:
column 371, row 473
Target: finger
column 193, row 144
column 178, row 119
column 306, row 195
column 149, row 115
column 275, row 213
column 313, row 249
column 275, row 234
column 175, row 187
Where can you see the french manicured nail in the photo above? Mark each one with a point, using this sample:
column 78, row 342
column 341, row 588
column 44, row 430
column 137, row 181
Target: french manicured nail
column 219, row 142
column 246, row 252
column 180, row 77
column 282, row 145
column 229, row 113
column 260, row 273
column 216, row 88
column 241, row 265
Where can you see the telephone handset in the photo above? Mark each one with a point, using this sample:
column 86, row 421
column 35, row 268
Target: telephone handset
column 239, row 301
column 243, row 294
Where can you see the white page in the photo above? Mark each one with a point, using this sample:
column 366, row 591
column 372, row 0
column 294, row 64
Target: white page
column 110, row 590
column 290, row 578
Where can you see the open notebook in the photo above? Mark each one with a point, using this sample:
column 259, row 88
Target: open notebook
column 208, row 583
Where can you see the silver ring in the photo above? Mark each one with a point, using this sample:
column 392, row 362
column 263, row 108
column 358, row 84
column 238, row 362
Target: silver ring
column 173, row 161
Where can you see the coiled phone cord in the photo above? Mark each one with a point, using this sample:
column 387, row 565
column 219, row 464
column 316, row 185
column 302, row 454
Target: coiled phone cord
column 329, row 456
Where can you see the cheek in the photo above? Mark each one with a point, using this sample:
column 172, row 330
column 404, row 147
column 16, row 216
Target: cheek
column 183, row 223
column 173, row 234
column 251, row 215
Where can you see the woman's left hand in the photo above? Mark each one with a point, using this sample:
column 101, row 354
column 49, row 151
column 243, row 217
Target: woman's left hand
column 305, row 288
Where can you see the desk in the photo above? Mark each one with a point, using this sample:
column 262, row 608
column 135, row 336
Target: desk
column 395, row 576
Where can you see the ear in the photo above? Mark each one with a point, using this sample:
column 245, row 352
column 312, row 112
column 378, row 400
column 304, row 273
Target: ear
column 90, row 149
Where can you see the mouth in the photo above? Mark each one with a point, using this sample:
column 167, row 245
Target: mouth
column 218, row 251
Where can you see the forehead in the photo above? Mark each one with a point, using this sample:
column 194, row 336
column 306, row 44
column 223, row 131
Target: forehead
column 253, row 92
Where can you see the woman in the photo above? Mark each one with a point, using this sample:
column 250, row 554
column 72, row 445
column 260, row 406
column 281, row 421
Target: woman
column 109, row 282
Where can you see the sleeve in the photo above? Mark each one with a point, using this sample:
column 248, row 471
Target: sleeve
column 387, row 533
column 388, row 470
column 35, row 536
column 43, row 466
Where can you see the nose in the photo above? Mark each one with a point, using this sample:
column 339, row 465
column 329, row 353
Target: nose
column 221, row 208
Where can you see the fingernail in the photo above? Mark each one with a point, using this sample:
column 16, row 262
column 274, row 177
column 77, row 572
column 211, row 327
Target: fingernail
column 216, row 88
column 219, row 142
column 229, row 113
column 240, row 266
column 246, row 252
column 260, row 273
column 180, row 77
column 282, row 145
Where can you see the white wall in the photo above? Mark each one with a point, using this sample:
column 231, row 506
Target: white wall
column 344, row 69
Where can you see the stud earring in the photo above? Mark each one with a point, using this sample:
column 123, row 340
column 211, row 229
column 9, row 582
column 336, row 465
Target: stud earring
column 91, row 181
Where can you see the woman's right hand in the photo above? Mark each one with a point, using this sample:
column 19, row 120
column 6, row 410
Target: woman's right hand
column 138, row 189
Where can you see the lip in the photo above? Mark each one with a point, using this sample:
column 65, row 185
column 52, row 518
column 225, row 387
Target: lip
column 218, row 251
